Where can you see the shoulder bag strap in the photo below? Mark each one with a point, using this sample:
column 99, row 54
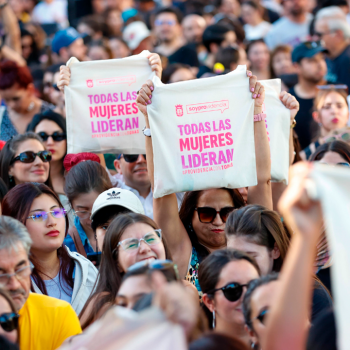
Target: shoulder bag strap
column 73, row 232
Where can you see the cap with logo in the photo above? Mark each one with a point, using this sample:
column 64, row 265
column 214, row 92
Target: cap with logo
column 64, row 38
column 118, row 197
column 307, row 50
column 134, row 33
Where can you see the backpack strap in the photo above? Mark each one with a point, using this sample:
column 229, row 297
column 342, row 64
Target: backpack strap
column 73, row 232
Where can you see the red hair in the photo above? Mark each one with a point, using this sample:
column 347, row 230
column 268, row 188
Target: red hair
column 11, row 73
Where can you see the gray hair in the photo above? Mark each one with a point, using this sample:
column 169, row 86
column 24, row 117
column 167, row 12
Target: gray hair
column 336, row 19
column 13, row 232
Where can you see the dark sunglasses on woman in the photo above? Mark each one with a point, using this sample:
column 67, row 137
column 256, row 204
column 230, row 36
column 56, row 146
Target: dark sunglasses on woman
column 130, row 158
column 232, row 291
column 29, row 157
column 56, row 136
column 9, row 321
column 207, row 215
column 261, row 316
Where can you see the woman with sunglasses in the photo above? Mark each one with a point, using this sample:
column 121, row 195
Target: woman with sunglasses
column 130, row 238
column 57, row 271
column 51, row 127
column 8, row 318
column 331, row 113
column 25, row 159
column 224, row 277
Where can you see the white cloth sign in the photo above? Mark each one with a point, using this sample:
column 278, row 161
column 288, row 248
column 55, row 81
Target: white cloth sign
column 203, row 134
column 333, row 190
column 278, row 128
column 102, row 114
column 125, row 329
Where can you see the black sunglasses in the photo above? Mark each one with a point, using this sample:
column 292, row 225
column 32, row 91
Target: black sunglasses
column 261, row 316
column 131, row 158
column 56, row 136
column 207, row 215
column 9, row 321
column 232, row 291
column 29, row 157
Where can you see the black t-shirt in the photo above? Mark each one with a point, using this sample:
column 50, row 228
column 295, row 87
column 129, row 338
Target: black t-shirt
column 305, row 122
column 185, row 55
column 339, row 68
column 321, row 300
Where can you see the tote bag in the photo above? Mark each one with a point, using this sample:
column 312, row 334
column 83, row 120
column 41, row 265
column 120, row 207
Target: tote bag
column 102, row 114
column 203, row 134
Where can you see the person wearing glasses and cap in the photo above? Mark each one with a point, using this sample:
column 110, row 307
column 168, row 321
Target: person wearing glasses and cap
column 44, row 322
column 309, row 62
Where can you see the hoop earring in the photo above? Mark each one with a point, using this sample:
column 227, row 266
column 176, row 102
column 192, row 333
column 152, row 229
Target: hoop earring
column 214, row 320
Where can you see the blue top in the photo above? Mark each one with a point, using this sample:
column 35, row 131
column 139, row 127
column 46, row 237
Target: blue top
column 68, row 241
column 57, row 288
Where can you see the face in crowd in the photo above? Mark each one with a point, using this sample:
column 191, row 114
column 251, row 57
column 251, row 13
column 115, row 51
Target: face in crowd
column 167, row 27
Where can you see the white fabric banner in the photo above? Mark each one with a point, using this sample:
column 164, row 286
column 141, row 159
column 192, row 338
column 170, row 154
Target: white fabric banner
column 278, row 128
column 102, row 114
column 203, row 134
column 333, row 190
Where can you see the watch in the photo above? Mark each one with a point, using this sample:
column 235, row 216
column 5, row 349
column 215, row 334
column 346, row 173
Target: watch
column 259, row 117
column 146, row 132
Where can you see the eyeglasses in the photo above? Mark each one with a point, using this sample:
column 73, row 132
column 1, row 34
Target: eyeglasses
column 151, row 238
column 56, row 136
column 29, row 157
column 332, row 87
column 158, row 22
column 19, row 274
column 320, row 35
column 167, row 267
column 232, row 291
column 312, row 44
column 9, row 321
column 131, row 158
column 344, row 164
column 261, row 316
column 43, row 215
column 207, row 215
column 83, row 214
column 345, row 136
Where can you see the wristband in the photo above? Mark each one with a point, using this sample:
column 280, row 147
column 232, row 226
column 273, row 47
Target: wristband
column 146, row 132
column 259, row 117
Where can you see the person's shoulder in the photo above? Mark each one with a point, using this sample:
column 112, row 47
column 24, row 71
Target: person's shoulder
column 282, row 21
column 43, row 302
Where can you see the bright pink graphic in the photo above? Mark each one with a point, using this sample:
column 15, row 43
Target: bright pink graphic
column 179, row 110
column 128, row 79
column 90, row 83
column 207, row 107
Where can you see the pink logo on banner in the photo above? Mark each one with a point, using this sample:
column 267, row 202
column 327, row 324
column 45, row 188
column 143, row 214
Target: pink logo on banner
column 207, row 107
column 90, row 83
column 179, row 110
column 128, row 79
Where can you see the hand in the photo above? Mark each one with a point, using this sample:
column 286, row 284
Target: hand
column 176, row 303
column 64, row 78
column 156, row 64
column 298, row 209
column 257, row 90
column 144, row 98
column 291, row 103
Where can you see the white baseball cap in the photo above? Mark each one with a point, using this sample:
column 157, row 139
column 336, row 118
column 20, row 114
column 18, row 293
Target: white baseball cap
column 134, row 33
column 118, row 197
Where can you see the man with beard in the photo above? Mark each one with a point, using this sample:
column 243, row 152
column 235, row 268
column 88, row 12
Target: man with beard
column 293, row 28
column 310, row 64
column 44, row 322
column 171, row 44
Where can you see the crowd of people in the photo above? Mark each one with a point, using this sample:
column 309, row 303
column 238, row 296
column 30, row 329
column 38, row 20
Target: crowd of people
column 82, row 234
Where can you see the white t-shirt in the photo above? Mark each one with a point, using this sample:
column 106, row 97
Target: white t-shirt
column 54, row 12
column 257, row 32
column 287, row 32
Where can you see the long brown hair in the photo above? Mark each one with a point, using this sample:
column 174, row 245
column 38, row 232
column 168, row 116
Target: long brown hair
column 110, row 273
column 260, row 226
column 189, row 203
column 17, row 204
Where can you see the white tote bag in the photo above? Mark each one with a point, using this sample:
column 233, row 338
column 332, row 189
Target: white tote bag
column 333, row 190
column 102, row 114
column 278, row 128
column 203, row 134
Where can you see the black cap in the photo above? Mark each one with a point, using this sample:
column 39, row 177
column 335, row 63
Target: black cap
column 307, row 50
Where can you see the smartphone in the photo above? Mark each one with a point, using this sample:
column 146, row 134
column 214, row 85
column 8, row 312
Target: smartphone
column 95, row 258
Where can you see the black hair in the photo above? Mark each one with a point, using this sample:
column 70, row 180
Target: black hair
column 340, row 147
column 107, row 213
column 227, row 56
column 215, row 34
column 247, row 306
column 170, row 70
column 172, row 10
column 48, row 115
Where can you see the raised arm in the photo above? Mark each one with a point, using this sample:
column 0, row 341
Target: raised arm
column 287, row 322
column 165, row 209
column 11, row 26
